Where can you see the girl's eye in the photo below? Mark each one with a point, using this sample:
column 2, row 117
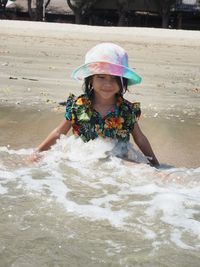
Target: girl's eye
column 101, row 76
column 112, row 78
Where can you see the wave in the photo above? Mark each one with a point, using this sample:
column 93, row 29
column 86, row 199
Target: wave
column 90, row 182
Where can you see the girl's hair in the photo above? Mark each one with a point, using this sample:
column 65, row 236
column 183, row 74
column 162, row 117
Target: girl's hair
column 87, row 86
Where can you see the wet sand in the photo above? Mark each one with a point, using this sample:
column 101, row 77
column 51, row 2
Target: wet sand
column 36, row 60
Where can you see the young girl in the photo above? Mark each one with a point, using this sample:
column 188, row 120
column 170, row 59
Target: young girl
column 102, row 111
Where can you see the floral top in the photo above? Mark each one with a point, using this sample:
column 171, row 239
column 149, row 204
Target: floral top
column 88, row 123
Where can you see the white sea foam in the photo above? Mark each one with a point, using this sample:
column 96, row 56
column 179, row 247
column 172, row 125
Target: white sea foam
column 3, row 190
column 88, row 181
column 15, row 152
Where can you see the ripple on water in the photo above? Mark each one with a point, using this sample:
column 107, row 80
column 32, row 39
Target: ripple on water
column 89, row 194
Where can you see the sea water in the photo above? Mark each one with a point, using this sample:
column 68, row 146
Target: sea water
column 80, row 205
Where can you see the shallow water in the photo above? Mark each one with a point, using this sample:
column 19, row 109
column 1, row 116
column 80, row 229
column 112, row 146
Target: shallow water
column 80, row 207
column 173, row 134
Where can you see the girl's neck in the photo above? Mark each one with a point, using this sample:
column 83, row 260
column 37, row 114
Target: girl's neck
column 103, row 106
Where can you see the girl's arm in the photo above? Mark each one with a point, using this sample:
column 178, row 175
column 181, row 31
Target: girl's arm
column 144, row 145
column 63, row 128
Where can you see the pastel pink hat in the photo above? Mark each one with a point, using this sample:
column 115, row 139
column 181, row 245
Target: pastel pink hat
column 106, row 58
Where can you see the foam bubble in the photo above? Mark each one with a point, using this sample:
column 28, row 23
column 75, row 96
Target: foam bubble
column 3, row 190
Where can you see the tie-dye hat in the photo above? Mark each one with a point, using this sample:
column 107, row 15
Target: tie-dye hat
column 106, row 58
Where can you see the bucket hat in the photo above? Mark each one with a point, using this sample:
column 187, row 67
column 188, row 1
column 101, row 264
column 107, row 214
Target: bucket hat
column 106, row 58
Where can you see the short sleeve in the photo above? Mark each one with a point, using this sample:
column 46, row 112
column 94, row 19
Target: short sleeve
column 69, row 107
column 136, row 109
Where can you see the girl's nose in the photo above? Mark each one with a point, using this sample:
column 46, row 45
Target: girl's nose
column 108, row 81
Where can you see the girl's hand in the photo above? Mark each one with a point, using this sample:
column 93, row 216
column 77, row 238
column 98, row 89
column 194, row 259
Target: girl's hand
column 34, row 157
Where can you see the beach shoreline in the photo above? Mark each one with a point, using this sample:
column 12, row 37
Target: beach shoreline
column 37, row 59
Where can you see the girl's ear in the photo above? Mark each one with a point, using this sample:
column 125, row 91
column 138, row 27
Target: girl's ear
column 91, row 82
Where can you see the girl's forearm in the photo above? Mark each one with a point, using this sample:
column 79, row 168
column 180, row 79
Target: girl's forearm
column 49, row 141
column 145, row 147
column 45, row 145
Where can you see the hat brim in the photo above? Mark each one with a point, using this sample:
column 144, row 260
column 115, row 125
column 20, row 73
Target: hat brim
column 103, row 67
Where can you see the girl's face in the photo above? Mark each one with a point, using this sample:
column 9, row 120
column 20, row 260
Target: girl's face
column 105, row 85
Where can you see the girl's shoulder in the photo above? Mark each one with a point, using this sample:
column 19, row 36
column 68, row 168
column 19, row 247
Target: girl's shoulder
column 76, row 99
column 75, row 104
column 78, row 102
column 81, row 100
column 133, row 106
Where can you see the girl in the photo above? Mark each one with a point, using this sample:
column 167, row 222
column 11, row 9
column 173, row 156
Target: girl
column 102, row 111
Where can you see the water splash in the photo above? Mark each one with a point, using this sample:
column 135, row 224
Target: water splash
column 92, row 184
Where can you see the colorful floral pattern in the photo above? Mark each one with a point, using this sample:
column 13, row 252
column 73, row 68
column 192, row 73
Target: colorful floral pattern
column 88, row 123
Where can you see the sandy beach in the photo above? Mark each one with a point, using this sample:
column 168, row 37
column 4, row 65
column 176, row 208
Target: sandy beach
column 36, row 61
